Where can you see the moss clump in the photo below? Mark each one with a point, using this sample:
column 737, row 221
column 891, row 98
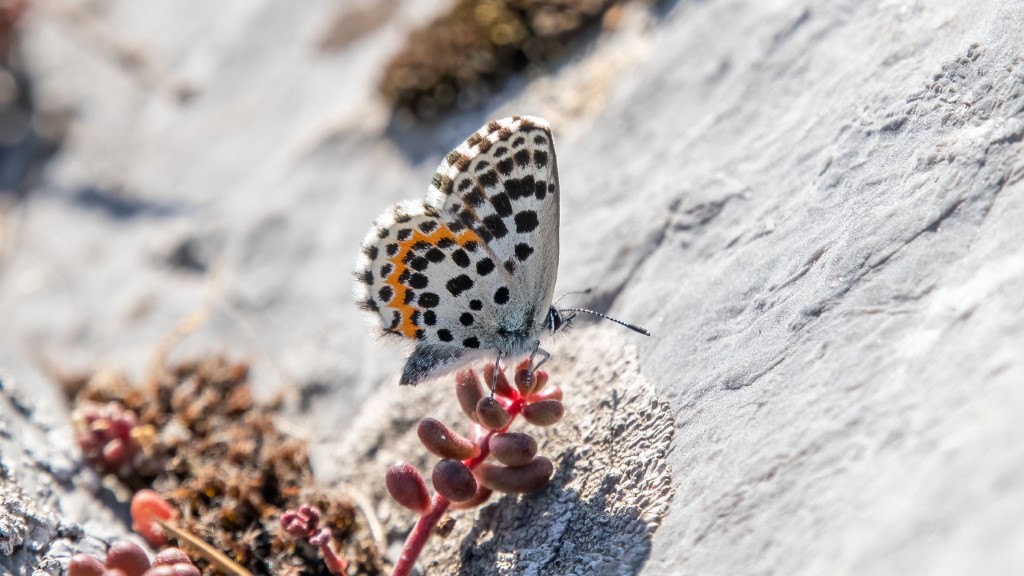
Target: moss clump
column 202, row 443
column 458, row 59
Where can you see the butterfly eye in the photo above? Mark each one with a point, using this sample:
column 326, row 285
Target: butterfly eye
column 554, row 321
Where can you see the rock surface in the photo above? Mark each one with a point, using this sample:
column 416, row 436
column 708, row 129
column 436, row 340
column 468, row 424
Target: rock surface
column 611, row 487
column 815, row 208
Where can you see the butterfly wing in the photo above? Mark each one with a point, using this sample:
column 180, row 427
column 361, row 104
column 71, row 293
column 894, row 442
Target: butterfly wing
column 502, row 183
column 419, row 274
column 478, row 255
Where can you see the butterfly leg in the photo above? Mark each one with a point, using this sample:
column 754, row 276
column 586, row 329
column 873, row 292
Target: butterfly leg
column 534, row 367
column 497, row 370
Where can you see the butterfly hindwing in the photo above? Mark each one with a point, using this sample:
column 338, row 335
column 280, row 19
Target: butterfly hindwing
column 419, row 272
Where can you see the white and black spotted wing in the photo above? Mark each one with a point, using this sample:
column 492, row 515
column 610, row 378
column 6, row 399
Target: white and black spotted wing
column 471, row 269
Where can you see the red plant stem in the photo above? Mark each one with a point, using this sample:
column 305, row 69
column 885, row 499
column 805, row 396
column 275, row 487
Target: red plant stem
column 335, row 564
column 421, row 532
column 418, row 537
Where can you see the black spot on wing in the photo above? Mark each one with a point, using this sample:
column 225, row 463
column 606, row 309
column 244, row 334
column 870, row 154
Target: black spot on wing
column 523, row 251
column 526, row 221
column 496, row 226
column 476, row 197
column 540, row 158
column 540, row 189
column 505, row 166
column 485, row 266
column 459, row 284
column 502, row 204
column 501, row 295
column 429, row 300
column 517, row 188
column 522, row 158
column 460, row 258
column 435, row 255
column 489, row 178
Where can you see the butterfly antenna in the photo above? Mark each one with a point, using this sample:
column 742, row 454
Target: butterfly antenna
column 606, row 317
column 587, row 291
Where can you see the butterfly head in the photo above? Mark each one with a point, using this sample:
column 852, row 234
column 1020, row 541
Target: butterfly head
column 555, row 321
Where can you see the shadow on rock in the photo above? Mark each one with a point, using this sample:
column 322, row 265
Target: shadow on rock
column 558, row 531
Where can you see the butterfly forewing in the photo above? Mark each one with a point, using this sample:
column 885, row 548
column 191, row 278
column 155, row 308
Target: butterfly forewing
column 503, row 183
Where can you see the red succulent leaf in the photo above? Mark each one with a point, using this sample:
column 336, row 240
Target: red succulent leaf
column 407, row 487
column 146, row 506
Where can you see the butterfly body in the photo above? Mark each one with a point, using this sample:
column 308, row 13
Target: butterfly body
column 469, row 271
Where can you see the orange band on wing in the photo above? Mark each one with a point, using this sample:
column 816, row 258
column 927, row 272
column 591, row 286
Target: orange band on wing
column 406, row 327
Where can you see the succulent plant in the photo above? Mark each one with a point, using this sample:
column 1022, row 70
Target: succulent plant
column 465, row 477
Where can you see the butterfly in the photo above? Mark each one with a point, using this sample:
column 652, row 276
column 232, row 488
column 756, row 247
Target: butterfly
column 469, row 271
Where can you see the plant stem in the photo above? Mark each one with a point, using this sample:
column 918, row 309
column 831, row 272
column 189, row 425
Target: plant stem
column 335, row 564
column 418, row 537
